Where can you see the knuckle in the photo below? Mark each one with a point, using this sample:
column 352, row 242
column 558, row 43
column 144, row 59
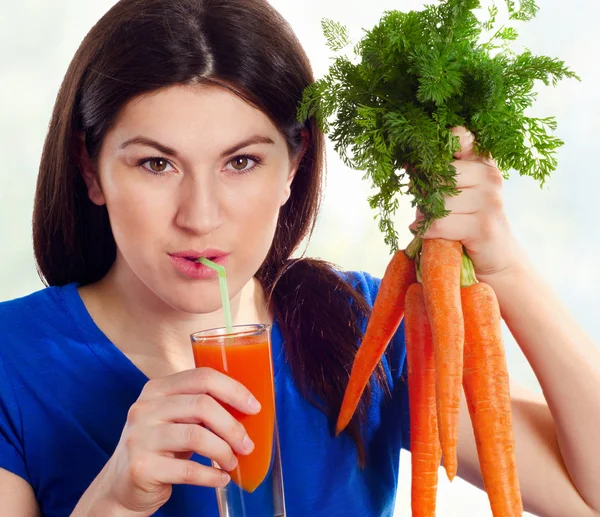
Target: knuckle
column 135, row 411
column 138, row 469
column 438, row 226
column 150, row 387
column 190, row 473
column 495, row 200
column 204, row 372
column 204, row 376
column 202, row 404
column 495, row 176
column 191, row 436
column 130, row 441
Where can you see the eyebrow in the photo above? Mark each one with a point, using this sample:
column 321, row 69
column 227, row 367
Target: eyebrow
column 142, row 140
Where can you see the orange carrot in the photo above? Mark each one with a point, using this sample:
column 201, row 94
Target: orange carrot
column 385, row 318
column 486, row 385
column 441, row 262
column 425, row 447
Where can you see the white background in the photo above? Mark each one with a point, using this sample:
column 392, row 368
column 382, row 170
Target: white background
column 558, row 226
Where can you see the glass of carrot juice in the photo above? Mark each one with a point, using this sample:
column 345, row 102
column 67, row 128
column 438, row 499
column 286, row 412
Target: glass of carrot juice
column 244, row 354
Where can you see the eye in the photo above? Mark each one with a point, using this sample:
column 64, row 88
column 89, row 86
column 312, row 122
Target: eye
column 157, row 165
column 240, row 163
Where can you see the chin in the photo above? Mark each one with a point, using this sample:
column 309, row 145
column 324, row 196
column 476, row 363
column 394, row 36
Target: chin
column 191, row 304
column 191, row 298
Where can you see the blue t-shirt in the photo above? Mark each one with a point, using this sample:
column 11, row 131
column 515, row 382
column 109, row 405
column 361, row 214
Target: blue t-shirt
column 65, row 391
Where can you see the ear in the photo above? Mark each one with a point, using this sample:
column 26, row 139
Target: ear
column 88, row 171
column 294, row 166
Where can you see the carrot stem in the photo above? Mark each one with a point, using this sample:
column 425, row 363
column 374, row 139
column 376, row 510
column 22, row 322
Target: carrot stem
column 414, row 248
column 467, row 272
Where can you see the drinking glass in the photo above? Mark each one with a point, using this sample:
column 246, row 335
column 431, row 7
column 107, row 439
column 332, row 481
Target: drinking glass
column 244, row 354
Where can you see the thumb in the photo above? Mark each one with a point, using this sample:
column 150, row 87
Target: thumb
column 467, row 144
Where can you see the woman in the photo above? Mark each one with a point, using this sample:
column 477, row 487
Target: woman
column 174, row 136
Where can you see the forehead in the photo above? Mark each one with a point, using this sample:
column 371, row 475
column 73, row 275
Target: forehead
column 199, row 112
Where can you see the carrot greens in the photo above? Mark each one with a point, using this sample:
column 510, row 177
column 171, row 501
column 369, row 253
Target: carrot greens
column 389, row 110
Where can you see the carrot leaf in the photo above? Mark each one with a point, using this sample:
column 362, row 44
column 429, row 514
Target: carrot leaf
column 389, row 110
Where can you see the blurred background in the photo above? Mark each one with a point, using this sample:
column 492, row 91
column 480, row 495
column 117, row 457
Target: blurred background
column 558, row 225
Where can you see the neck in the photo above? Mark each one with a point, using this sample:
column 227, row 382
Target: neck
column 152, row 334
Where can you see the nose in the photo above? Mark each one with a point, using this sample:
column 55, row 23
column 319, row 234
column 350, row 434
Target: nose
column 199, row 208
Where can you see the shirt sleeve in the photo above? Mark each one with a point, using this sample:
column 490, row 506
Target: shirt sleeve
column 12, row 454
column 394, row 359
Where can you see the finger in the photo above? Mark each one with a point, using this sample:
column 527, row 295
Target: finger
column 455, row 227
column 173, row 471
column 473, row 173
column 194, row 438
column 467, row 141
column 467, row 147
column 468, row 201
column 204, row 381
column 204, row 409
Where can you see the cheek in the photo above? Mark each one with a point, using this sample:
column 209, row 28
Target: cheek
column 257, row 215
column 135, row 210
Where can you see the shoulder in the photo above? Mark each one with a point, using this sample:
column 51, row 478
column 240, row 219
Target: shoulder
column 363, row 282
column 36, row 302
column 35, row 315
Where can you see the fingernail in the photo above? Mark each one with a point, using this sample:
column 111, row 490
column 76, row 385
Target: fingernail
column 248, row 444
column 225, row 478
column 254, row 404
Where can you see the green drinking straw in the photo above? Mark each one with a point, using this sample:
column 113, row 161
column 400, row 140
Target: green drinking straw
column 224, row 291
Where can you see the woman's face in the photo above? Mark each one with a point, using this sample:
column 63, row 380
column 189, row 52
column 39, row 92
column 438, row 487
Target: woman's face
column 185, row 170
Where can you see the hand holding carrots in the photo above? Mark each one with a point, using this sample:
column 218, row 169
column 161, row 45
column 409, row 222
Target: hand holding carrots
column 477, row 217
column 453, row 337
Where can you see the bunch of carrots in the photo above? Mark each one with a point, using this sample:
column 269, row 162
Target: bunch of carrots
column 453, row 335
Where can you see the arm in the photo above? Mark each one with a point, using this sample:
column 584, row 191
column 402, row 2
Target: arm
column 556, row 435
column 16, row 496
column 560, row 448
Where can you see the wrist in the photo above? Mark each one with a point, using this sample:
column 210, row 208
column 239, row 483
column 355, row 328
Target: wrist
column 504, row 263
column 101, row 508
column 97, row 501
column 517, row 273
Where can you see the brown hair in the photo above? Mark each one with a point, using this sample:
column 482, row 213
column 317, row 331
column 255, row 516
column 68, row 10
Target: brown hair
column 246, row 46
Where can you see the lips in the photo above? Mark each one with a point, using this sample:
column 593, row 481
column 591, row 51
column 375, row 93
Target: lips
column 186, row 262
column 193, row 255
column 195, row 258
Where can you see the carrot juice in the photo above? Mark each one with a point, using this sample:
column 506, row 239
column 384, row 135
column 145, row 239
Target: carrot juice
column 245, row 357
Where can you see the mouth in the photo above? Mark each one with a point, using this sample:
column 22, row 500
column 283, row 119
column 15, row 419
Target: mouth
column 187, row 263
column 194, row 256
column 197, row 259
